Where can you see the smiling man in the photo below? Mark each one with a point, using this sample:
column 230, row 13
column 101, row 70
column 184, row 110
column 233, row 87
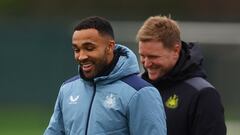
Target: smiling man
column 193, row 106
column 92, row 52
column 107, row 97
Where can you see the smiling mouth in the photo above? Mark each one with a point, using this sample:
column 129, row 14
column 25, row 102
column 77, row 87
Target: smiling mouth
column 151, row 70
column 87, row 67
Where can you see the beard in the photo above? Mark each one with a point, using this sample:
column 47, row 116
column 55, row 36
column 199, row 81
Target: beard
column 93, row 67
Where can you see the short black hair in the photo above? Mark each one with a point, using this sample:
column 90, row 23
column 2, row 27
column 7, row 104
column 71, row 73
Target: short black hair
column 101, row 24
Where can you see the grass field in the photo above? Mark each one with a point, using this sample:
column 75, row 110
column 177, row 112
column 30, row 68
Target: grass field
column 233, row 127
column 33, row 121
column 24, row 120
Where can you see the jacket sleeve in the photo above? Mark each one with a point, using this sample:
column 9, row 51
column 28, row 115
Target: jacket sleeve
column 209, row 114
column 146, row 113
column 56, row 126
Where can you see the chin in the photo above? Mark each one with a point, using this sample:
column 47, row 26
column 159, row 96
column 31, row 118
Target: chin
column 89, row 76
column 153, row 78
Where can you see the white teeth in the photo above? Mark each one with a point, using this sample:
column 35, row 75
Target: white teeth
column 85, row 64
column 86, row 67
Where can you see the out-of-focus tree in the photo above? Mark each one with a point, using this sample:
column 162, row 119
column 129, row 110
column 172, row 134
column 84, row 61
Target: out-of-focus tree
column 195, row 10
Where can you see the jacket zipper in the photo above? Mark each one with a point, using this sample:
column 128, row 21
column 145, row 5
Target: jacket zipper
column 90, row 108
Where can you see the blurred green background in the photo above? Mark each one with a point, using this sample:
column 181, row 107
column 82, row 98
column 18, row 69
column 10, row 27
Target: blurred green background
column 36, row 55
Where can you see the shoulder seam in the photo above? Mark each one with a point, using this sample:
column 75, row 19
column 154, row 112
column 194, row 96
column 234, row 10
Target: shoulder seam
column 71, row 79
column 199, row 83
column 135, row 82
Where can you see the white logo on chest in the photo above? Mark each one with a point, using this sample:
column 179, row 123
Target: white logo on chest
column 110, row 101
column 73, row 100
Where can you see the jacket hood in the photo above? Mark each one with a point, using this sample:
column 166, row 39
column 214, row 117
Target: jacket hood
column 124, row 63
column 188, row 65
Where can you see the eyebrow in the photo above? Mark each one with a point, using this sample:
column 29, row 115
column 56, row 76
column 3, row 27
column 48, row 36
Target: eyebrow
column 85, row 44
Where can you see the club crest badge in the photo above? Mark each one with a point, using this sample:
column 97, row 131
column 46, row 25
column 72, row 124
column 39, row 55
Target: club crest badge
column 172, row 102
column 110, row 101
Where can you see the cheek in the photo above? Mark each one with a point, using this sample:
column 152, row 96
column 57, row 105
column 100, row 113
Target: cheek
column 157, row 62
column 142, row 61
column 75, row 56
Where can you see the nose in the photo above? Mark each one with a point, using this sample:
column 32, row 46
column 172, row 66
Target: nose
column 147, row 63
column 81, row 55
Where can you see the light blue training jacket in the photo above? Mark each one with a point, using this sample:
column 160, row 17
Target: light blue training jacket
column 120, row 103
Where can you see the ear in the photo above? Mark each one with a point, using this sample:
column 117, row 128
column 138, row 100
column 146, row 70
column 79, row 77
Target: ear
column 111, row 45
column 176, row 49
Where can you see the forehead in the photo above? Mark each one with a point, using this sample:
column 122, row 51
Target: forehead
column 85, row 34
column 88, row 37
column 149, row 46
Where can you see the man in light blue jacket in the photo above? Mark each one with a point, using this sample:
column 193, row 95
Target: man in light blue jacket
column 107, row 98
